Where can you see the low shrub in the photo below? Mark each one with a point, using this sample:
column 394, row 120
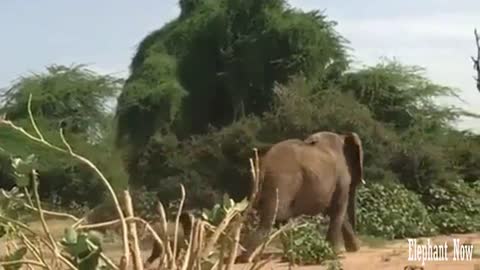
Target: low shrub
column 455, row 207
column 391, row 211
column 305, row 244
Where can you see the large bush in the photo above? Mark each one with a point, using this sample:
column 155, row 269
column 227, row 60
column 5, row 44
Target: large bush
column 391, row 211
column 454, row 207
column 218, row 62
column 305, row 244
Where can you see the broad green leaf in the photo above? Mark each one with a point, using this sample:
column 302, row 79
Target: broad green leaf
column 96, row 238
column 70, row 236
column 241, row 206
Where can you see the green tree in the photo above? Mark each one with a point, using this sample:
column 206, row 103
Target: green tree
column 218, row 61
column 76, row 99
column 400, row 95
column 74, row 96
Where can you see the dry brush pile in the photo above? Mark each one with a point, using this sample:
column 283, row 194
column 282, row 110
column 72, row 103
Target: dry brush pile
column 208, row 246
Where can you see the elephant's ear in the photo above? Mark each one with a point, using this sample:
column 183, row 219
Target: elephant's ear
column 354, row 154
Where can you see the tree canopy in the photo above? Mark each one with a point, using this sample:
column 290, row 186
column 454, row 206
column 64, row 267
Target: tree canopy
column 73, row 98
column 218, row 61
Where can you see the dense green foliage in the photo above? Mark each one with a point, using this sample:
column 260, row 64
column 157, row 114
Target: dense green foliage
column 72, row 98
column 454, row 208
column 306, row 244
column 392, row 212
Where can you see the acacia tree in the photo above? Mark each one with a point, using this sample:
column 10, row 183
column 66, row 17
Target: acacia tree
column 76, row 99
column 401, row 95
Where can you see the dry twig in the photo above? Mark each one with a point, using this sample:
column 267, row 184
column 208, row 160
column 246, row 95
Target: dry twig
column 138, row 263
column 476, row 61
column 199, row 247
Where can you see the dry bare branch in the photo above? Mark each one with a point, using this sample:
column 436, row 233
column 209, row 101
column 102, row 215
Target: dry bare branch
column 40, row 139
column 137, row 257
column 34, row 250
column 34, row 178
column 29, row 262
column 46, row 230
column 187, row 262
column 163, row 219
column 32, row 120
column 476, row 61
column 177, row 221
column 33, row 208
column 234, row 249
column 199, row 247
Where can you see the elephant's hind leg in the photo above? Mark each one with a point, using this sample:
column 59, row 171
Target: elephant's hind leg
column 156, row 251
column 270, row 214
column 337, row 211
column 351, row 241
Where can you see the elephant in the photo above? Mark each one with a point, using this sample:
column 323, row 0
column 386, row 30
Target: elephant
column 317, row 175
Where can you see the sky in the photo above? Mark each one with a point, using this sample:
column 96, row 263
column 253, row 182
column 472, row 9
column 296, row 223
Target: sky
column 434, row 34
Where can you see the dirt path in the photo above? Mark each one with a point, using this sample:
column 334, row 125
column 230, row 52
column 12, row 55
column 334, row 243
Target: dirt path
column 389, row 256
column 394, row 256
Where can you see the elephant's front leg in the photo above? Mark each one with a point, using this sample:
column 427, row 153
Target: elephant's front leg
column 337, row 211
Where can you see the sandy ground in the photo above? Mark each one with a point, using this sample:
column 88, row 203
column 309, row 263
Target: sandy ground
column 389, row 255
column 394, row 255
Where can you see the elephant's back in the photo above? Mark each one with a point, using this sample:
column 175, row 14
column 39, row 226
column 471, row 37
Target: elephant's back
column 280, row 166
column 283, row 155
